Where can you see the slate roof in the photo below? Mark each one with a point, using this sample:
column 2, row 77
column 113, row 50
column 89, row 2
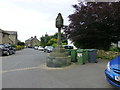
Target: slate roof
column 11, row 32
column 29, row 39
column 2, row 31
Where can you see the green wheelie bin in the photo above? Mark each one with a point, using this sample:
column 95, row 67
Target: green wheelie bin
column 73, row 55
column 86, row 55
column 82, row 56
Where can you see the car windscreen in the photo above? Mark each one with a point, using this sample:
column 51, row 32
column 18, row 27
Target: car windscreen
column 40, row 47
column 7, row 46
column 50, row 47
column 68, row 47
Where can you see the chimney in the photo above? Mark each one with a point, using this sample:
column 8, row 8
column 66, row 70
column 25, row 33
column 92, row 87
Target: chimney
column 35, row 37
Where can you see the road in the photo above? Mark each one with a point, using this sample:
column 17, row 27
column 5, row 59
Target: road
column 27, row 69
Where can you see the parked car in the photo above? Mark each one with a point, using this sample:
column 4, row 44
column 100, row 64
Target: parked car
column 12, row 49
column 40, row 48
column 113, row 72
column 67, row 47
column 29, row 46
column 4, row 50
column 48, row 49
column 36, row 47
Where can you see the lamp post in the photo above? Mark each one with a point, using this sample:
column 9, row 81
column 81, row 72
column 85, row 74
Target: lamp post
column 59, row 57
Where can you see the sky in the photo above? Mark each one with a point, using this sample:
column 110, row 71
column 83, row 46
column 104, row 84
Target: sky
column 33, row 17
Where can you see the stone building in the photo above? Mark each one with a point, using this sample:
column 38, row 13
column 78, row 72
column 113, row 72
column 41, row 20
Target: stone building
column 7, row 37
column 31, row 42
column 13, row 36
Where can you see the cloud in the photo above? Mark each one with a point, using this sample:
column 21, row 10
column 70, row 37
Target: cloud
column 33, row 17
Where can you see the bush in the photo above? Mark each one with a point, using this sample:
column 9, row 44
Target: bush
column 13, row 46
column 115, row 49
column 107, row 54
column 19, row 47
column 64, row 43
column 54, row 45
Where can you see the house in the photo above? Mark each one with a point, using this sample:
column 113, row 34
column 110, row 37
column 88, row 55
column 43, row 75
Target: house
column 31, row 42
column 8, row 37
column 12, row 36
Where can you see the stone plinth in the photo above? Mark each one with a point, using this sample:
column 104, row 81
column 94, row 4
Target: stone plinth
column 58, row 58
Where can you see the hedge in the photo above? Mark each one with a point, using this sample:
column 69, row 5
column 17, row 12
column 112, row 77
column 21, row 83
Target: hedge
column 19, row 47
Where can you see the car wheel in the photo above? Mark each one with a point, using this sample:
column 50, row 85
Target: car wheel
column 8, row 54
column 48, row 51
column 13, row 52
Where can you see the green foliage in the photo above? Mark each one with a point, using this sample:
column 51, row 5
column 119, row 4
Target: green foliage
column 13, row 46
column 37, row 45
column 94, row 25
column 109, row 55
column 21, row 43
column 54, row 45
column 52, row 40
column 115, row 49
column 64, row 43
column 19, row 47
column 44, row 40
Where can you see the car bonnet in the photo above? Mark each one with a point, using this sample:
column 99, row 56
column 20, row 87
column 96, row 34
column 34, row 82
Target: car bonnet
column 115, row 63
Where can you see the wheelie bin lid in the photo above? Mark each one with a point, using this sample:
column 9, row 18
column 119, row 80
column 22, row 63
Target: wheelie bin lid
column 90, row 50
column 74, row 49
column 80, row 50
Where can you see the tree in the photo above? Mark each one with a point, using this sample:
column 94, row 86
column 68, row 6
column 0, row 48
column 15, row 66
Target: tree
column 63, row 37
column 52, row 40
column 44, row 40
column 21, row 43
column 94, row 24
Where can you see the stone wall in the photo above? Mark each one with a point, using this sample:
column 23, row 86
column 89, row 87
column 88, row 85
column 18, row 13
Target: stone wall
column 28, row 43
column 31, row 42
column 7, row 37
column 35, row 41
column 13, row 37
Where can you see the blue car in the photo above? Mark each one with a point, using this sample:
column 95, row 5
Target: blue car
column 113, row 72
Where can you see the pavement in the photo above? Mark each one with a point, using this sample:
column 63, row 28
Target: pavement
column 27, row 69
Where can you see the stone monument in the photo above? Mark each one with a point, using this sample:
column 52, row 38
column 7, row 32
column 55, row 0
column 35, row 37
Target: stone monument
column 59, row 57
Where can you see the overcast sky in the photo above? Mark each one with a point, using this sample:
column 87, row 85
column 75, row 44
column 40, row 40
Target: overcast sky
column 33, row 17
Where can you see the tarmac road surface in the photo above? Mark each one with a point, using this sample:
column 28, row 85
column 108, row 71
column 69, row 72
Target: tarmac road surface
column 27, row 69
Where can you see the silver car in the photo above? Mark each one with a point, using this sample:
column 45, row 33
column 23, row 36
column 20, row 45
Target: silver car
column 40, row 48
column 48, row 49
